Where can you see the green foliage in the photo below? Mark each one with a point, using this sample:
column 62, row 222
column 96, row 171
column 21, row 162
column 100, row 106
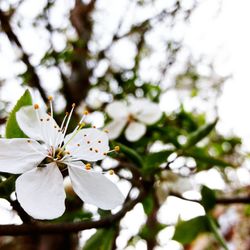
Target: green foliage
column 208, row 198
column 204, row 160
column 103, row 239
column 215, row 231
column 187, row 231
column 12, row 128
column 200, row 134
column 148, row 204
column 7, row 187
column 130, row 153
column 153, row 160
column 71, row 216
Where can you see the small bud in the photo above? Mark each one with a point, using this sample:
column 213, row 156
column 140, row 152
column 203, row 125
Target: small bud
column 111, row 172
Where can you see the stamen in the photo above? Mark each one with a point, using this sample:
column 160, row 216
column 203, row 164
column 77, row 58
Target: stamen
column 106, row 131
column 88, row 166
column 67, row 124
column 64, row 120
column 36, row 106
column 29, row 141
column 96, row 150
column 116, row 149
column 93, row 126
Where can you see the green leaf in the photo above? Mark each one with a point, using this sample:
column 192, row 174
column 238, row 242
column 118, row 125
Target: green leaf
column 153, row 160
column 187, row 231
column 215, row 231
column 199, row 155
column 132, row 154
column 208, row 198
column 102, row 240
column 12, row 128
column 148, row 204
column 200, row 134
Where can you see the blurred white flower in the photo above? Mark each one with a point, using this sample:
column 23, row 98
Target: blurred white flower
column 40, row 188
column 134, row 116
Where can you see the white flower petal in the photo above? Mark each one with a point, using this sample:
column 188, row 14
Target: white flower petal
column 88, row 144
column 115, row 128
column 95, row 188
column 135, row 131
column 28, row 122
column 40, row 192
column 20, row 155
column 39, row 125
column 150, row 114
column 117, row 110
column 145, row 111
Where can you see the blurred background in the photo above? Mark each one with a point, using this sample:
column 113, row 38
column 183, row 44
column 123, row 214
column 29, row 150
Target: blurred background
column 190, row 57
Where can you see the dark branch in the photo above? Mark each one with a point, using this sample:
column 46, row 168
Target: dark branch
column 57, row 228
column 224, row 201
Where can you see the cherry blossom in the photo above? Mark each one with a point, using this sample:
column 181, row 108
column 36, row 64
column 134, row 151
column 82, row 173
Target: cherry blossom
column 41, row 159
column 133, row 116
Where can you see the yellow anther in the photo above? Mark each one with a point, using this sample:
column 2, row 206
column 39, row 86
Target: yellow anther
column 73, row 105
column 117, row 148
column 67, row 152
column 88, row 166
column 50, row 98
column 36, row 106
column 106, row 131
column 111, row 171
column 86, row 112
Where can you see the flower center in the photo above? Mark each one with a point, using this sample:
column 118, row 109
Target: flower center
column 131, row 118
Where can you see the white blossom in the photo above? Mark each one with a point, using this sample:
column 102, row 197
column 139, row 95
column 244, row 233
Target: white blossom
column 47, row 152
column 133, row 116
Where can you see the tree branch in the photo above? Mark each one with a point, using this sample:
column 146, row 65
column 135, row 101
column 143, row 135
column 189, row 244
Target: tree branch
column 57, row 228
column 223, row 201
